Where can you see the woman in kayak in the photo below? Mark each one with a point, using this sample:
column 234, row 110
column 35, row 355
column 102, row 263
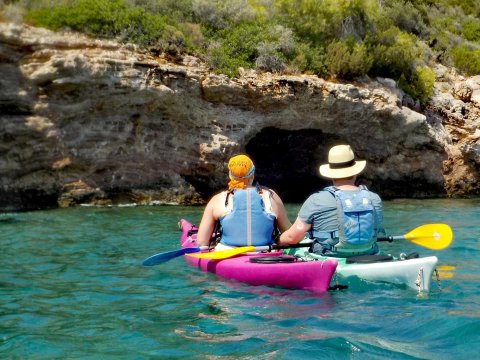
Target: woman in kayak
column 344, row 219
column 247, row 214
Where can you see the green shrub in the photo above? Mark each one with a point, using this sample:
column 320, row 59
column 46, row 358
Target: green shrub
column 221, row 14
column 278, row 46
column 138, row 26
column 193, row 32
column 445, row 24
column 348, row 59
column 344, row 38
column 440, row 43
column 407, row 16
column 251, row 44
column 235, row 47
column 329, row 20
column 98, row 18
column 394, row 52
column 177, row 10
column 222, row 62
column 419, row 84
column 310, row 60
column 313, row 21
column 466, row 59
column 111, row 19
column 471, row 30
column 468, row 6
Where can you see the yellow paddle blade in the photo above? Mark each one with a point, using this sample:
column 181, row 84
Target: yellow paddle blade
column 223, row 254
column 431, row 236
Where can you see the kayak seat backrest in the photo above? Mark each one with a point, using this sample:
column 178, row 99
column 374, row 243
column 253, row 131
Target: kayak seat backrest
column 191, row 232
column 368, row 259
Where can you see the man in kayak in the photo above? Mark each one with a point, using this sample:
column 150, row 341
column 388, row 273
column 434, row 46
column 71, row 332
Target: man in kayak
column 344, row 219
column 247, row 215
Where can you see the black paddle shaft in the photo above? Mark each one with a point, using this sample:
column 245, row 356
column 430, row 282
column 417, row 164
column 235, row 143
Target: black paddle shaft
column 387, row 238
column 299, row 245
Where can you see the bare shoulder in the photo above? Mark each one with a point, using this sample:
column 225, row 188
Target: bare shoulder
column 276, row 201
column 275, row 196
column 217, row 198
column 217, row 204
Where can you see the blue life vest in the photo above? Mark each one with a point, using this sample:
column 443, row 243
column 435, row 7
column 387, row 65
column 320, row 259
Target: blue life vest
column 250, row 221
column 356, row 219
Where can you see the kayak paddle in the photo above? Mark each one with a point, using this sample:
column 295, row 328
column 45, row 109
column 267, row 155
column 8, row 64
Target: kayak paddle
column 225, row 254
column 430, row 236
column 165, row 256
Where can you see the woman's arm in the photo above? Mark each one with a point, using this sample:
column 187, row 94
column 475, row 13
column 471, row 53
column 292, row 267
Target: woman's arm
column 207, row 224
column 283, row 222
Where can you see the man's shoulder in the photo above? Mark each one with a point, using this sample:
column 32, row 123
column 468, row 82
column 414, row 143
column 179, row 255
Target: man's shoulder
column 318, row 202
column 375, row 196
column 320, row 195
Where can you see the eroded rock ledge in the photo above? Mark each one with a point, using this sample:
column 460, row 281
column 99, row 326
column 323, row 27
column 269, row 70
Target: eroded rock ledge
column 90, row 121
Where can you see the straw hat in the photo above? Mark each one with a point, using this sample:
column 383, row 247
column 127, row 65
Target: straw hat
column 341, row 163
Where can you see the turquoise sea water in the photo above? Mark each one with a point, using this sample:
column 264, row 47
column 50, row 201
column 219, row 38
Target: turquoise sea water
column 72, row 287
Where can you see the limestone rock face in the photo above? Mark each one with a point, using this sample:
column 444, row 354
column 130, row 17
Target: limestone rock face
column 90, row 121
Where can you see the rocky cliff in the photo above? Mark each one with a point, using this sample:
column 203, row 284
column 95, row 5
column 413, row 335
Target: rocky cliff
column 89, row 121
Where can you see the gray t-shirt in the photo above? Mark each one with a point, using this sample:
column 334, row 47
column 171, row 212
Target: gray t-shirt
column 320, row 210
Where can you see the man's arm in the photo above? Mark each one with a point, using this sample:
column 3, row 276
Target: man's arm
column 295, row 233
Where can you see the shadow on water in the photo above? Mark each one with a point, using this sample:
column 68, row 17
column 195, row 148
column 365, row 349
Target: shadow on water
column 8, row 220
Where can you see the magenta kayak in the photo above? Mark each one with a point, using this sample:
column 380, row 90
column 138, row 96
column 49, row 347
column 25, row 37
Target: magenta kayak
column 313, row 276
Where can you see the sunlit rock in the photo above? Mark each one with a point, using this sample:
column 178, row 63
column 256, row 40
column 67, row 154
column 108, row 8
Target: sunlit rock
column 90, row 121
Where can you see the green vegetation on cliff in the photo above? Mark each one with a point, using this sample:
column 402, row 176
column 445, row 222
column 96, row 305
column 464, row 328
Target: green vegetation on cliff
column 344, row 39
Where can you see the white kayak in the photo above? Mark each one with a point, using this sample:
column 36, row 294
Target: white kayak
column 415, row 273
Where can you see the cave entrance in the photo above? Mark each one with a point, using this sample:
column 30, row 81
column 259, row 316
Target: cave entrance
column 287, row 160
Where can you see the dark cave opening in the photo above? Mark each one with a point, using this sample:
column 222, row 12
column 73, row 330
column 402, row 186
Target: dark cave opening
column 287, row 160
